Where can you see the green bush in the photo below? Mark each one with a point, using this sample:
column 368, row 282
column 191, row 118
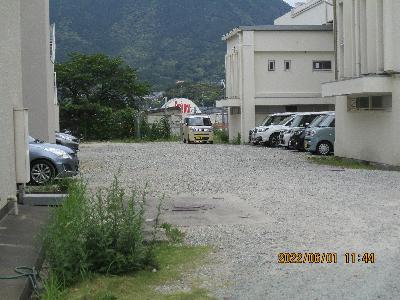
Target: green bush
column 97, row 122
column 93, row 121
column 100, row 235
column 237, row 140
column 221, row 136
column 155, row 131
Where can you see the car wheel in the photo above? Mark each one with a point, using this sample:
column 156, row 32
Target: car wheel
column 212, row 142
column 324, row 148
column 274, row 140
column 42, row 172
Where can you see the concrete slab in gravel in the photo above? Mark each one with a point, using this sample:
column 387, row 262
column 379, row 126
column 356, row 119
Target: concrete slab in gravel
column 18, row 247
column 44, row 199
column 220, row 209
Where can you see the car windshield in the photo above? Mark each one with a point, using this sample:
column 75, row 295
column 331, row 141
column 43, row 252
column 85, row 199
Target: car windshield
column 286, row 120
column 318, row 121
column 302, row 120
column 199, row 121
column 328, row 122
column 267, row 121
column 273, row 120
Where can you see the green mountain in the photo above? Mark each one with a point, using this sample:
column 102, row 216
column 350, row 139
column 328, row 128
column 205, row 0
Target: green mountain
column 165, row 40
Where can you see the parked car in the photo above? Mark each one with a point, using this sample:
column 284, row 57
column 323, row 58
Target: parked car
column 321, row 139
column 296, row 140
column 68, row 140
column 50, row 161
column 301, row 121
column 270, row 135
column 197, row 129
column 273, row 119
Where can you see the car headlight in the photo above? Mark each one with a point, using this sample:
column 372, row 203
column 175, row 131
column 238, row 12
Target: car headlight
column 263, row 129
column 65, row 137
column 312, row 132
column 298, row 132
column 58, row 152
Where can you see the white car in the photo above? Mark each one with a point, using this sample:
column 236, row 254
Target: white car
column 269, row 136
column 274, row 119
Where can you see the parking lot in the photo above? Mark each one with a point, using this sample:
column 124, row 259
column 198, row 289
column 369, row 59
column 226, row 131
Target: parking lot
column 261, row 202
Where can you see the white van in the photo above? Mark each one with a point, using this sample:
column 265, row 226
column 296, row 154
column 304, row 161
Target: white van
column 197, row 129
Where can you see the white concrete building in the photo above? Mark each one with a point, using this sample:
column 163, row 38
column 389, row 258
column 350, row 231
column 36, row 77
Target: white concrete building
column 38, row 77
column 311, row 12
column 368, row 87
column 276, row 68
column 14, row 161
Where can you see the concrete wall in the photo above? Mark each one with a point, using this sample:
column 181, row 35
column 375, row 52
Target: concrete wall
column 291, row 41
column 369, row 38
column 10, row 93
column 37, row 69
column 368, row 45
column 315, row 12
column 369, row 135
column 301, row 78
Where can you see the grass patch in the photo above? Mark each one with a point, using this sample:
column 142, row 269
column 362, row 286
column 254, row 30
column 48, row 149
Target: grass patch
column 173, row 261
column 346, row 163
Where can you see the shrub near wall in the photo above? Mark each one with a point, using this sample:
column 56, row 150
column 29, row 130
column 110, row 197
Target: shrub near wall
column 100, row 234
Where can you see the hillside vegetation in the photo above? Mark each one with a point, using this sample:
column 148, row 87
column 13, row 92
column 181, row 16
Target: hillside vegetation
column 165, row 40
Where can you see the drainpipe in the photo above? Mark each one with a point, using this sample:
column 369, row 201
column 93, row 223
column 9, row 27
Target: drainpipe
column 335, row 36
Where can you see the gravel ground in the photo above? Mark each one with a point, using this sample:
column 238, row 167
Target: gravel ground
column 307, row 208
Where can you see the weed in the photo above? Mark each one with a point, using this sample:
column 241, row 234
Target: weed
column 221, row 136
column 237, row 140
column 174, row 234
column 99, row 236
column 51, row 289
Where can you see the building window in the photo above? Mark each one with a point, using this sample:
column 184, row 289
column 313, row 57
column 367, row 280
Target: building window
column 369, row 103
column 287, row 65
column 271, row 65
column 291, row 108
column 322, row 65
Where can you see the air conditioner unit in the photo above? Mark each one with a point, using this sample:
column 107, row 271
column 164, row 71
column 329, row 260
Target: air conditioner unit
column 22, row 164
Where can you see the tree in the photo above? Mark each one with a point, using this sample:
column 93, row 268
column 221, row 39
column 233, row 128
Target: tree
column 203, row 94
column 99, row 79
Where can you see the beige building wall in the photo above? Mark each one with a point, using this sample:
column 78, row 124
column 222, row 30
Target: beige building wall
column 368, row 65
column 369, row 135
column 252, row 91
column 10, row 93
column 38, row 70
column 313, row 12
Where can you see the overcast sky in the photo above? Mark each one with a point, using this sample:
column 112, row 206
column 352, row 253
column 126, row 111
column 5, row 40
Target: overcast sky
column 292, row 2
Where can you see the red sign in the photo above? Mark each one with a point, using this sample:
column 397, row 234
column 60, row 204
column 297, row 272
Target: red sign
column 185, row 108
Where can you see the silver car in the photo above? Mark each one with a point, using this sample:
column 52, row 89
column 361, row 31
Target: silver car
column 51, row 161
column 68, row 140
